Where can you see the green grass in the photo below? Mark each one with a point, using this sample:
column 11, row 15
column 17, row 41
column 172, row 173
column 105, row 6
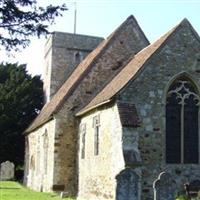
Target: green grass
column 10, row 190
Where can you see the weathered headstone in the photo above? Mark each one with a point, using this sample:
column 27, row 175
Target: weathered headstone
column 193, row 188
column 7, row 171
column 164, row 187
column 127, row 185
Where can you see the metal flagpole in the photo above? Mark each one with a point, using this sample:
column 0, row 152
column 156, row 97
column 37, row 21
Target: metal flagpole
column 75, row 13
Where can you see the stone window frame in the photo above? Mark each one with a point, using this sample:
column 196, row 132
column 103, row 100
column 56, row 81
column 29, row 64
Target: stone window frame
column 32, row 162
column 82, row 134
column 27, row 154
column 46, row 150
column 192, row 80
column 96, row 126
column 78, row 57
column 38, row 157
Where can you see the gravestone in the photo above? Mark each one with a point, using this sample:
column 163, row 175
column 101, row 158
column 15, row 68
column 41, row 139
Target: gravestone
column 127, row 185
column 7, row 171
column 193, row 188
column 164, row 187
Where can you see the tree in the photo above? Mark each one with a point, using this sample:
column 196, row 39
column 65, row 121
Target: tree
column 21, row 98
column 20, row 19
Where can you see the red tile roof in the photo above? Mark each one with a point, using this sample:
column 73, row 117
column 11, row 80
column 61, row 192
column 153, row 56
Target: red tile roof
column 129, row 71
column 75, row 78
column 128, row 114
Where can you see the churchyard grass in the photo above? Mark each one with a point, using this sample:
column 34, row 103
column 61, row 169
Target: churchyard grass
column 10, row 190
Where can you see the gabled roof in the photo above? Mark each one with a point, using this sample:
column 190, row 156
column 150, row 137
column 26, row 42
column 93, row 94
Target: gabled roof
column 75, row 78
column 130, row 70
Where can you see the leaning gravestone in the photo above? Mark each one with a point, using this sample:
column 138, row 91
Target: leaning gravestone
column 7, row 171
column 164, row 187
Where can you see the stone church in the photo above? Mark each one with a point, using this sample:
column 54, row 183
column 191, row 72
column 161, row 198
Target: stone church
column 121, row 115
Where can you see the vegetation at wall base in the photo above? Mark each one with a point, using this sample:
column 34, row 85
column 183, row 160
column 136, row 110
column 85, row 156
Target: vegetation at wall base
column 186, row 197
column 10, row 190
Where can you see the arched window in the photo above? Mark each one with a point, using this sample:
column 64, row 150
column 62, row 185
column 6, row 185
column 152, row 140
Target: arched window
column 77, row 57
column 182, row 135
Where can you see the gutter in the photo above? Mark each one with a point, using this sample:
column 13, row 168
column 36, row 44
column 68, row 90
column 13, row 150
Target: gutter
column 82, row 112
column 27, row 132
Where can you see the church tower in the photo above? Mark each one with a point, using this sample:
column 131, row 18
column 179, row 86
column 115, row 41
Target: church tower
column 63, row 52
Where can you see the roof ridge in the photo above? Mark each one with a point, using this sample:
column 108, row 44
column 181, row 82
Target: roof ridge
column 154, row 47
column 106, row 43
column 128, row 20
column 187, row 22
column 75, row 78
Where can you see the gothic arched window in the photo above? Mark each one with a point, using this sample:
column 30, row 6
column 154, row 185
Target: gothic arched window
column 182, row 135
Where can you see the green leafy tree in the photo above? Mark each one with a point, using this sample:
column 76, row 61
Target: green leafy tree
column 20, row 19
column 21, row 98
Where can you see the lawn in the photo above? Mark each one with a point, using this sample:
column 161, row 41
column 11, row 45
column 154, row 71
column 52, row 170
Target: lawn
column 10, row 190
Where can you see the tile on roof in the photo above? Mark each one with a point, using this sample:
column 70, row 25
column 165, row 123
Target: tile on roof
column 130, row 70
column 74, row 80
column 128, row 114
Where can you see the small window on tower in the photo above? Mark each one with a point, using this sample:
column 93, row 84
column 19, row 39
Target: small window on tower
column 77, row 57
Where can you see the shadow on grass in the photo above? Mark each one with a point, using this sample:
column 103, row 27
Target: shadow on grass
column 53, row 195
column 9, row 188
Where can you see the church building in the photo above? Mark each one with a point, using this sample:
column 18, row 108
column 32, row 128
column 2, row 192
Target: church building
column 121, row 119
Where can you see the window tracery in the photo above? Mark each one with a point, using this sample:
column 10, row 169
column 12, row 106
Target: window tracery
column 182, row 135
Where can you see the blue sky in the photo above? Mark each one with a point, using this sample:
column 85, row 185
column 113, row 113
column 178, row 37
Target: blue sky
column 154, row 16
column 101, row 17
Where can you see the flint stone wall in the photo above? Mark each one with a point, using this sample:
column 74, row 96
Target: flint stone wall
column 97, row 173
column 107, row 173
column 39, row 175
column 148, row 91
column 123, row 46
